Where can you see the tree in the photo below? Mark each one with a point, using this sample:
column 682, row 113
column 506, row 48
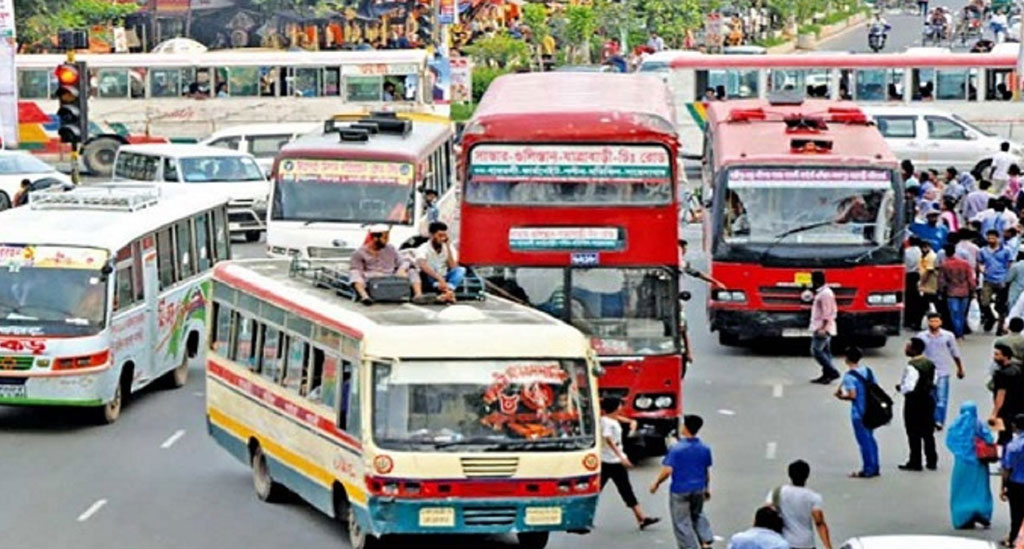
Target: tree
column 500, row 50
column 535, row 17
column 581, row 22
column 43, row 21
column 672, row 18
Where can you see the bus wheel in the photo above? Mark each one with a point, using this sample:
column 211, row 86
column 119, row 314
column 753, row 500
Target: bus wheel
column 266, row 488
column 109, row 412
column 358, row 538
column 873, row 342
column 252, row 236
column 99, row 154
column 533, row 540
column 5, row 201
column 179, row 375
column 728, row 339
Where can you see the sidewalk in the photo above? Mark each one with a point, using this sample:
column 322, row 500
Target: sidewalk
column 827, row 32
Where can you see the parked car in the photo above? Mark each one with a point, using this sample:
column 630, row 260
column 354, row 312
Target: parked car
column 934, row 138
column 916, row 542
column 263, row 141
column 16, row 166
column 232, row 174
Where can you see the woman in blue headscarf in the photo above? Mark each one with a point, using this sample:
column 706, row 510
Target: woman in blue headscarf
column 970, row 498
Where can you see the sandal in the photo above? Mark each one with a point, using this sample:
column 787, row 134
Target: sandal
column 1005, row 543
column 649, row 521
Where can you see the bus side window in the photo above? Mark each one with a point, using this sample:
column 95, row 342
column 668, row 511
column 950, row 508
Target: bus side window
column 329, row 391
column 170, row 170
column 245, row 342
column 204, row 255
column 220, row 235
column 184, row 258
column 270, row 367
column 316, row 369
column 295, row 365
column 348, row 418
column 220, row 340
column 124, row 280
column 165, row 257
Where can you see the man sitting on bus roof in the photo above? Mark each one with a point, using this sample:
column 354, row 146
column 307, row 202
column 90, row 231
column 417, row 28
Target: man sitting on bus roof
column 438, row 266
column 377, row 258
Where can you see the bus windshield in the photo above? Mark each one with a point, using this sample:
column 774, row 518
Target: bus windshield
column 573, row 175
column 625, row 311
column 817, row 206
column 52, row 291
column 344, row 191
column 220, row 169
column 492, row 405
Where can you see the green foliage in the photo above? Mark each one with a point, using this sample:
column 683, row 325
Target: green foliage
column 581, row 24
column 810, row 28
column 500, row 50
column 771, row 42
column 672, row 18
column 462, row 111
column 482, row 78
column 41, row 20
column 535, row 16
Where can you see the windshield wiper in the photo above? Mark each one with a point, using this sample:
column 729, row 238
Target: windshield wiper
column 468, row 442
column 802, row 228
column 897, row 235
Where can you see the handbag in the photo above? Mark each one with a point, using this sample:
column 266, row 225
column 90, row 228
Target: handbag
column 985, row 451
column 389, row 289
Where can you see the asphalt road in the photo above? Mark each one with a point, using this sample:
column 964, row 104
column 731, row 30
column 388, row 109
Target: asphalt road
column 906, row 32
column 155, row 479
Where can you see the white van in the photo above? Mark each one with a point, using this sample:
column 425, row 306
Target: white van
column 263, row 141
column 934, row 138
column 231, row 174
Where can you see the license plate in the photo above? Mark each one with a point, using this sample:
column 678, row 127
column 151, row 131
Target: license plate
column 543, row 516
column 437, row 517
column 796, row 332
column 802, row 279
column 12, row 391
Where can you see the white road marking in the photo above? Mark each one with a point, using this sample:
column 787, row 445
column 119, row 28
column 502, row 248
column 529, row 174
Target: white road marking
column 92, row 510
column 725, row 412
column 172, row 439
column 770, row 450
column 777, row 390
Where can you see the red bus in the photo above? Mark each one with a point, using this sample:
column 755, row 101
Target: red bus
column 570, row 190
column 797, row 186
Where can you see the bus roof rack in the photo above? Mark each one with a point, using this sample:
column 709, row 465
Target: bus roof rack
column 390, row 125
column 371, row 127
column 333, row 275
column 351, row 134
column 786, row 97
column 121, row 198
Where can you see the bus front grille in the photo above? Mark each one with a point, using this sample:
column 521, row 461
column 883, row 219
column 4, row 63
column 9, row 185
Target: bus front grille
column 794, row 295
column 489, row 466
column 488, row 516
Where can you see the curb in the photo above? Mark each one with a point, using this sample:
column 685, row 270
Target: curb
column 851, row 25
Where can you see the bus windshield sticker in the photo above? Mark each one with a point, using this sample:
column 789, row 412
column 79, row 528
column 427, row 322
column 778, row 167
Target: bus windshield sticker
column 565, row 238
column 816, row 177
column 14, row 257
column 347, row 171
column 554, row 163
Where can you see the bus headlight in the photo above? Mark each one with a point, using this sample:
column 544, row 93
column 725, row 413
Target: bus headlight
column 664, row 401
column 735, row 296
column 883, row 299
column 643, row 402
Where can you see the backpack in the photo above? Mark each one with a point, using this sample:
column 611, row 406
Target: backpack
column 878, row 404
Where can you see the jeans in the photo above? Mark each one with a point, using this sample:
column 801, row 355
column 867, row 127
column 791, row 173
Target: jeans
column 868, row 447
column 689, row 524
column 941, row 394
column 822, row 352
column 454, row 278
column 1015, row 494
column 958, row 313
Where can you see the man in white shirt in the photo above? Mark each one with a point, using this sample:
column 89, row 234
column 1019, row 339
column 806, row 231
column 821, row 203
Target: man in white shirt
column 1000, row 171
column 614, row 461
column 438, row 266
column 801, row 509
column 656, row 43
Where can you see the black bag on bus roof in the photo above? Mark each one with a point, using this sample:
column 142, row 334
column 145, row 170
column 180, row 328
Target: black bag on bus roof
column 389, row 289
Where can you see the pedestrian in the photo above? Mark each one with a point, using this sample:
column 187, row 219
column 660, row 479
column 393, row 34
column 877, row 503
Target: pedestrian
column 976, row 201
column 1015, row 280
column 1008, row 392
column 999, row 173
column 854, row 389
column 823, row 327
column 998, row 217
column 1014, row 340
column 655, row 42
column 931, row 231
column 21, row 197
column 970, row 496
column 1013, row 479
column 614, row 463
column 928, row 286
column 765, row 534
column 940, row 347
column 801, row 509
column 922, row 7
column 917, row 388
column 957, row 284
column 688, row 463
column 995, row 265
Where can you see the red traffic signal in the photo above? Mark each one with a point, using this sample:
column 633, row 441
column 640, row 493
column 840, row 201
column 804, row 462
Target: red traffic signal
column 67, row 74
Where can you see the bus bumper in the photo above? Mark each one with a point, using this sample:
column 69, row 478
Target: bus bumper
column 754, row 324
column 90, row 389
column 481, row 516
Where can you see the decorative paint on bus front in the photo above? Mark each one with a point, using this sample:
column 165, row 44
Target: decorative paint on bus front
column 37, row 130
column 176, row 314
column 698, row 113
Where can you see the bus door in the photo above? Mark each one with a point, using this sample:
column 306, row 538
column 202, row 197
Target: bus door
column 151, row 283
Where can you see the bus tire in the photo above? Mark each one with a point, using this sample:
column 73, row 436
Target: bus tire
column 358, row 538
column 252, row 236
column 267, row 489
column 98, row 155
column 5, row 201
column 728, row 339
column 533, row 540
column 178, row 377
column 111, row 410
column 873, row 342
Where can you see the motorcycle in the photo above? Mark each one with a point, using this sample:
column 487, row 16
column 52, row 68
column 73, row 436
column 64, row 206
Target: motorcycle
column 934, row 33
column 877, row 35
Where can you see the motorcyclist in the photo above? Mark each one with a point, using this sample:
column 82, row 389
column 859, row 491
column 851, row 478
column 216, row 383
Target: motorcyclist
column 998, row 23
column 878, row 30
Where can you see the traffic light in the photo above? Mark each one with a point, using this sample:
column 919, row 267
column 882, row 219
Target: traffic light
column 73, row 101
